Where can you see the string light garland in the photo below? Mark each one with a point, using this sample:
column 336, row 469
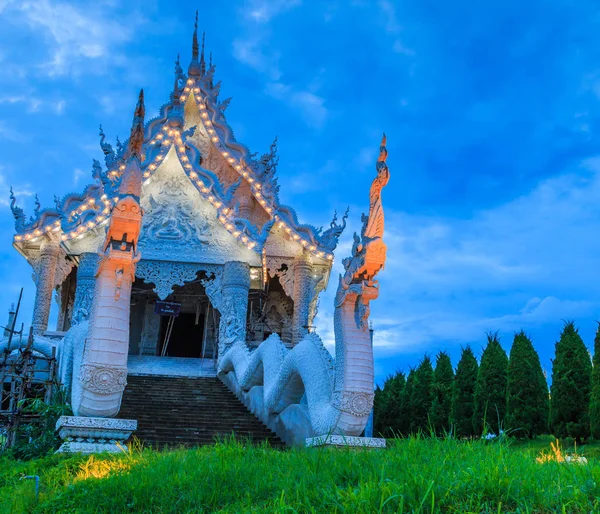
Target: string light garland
column 166, row 138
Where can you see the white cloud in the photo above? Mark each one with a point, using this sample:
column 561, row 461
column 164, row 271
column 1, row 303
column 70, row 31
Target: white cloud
column 393, row 27
column 250, row 51
column 20, row 190
column 10, row 133
column 263, row 11
column 34, row 103
column 59, row 107
column 310, row 106
column 253, row 48
column 78, row 174
column 75, row 34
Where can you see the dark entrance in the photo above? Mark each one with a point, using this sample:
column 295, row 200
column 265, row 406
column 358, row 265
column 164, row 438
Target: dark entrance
column 186, row 336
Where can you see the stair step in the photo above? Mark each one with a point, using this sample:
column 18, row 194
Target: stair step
column 182, row 411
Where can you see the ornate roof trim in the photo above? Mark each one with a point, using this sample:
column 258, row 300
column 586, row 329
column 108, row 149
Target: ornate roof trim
column 94, row 206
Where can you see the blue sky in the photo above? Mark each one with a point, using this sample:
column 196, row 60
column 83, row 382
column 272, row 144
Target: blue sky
column 491, row 112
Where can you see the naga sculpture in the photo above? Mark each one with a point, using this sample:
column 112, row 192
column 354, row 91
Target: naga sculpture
column 302, row 392
column 99, row 365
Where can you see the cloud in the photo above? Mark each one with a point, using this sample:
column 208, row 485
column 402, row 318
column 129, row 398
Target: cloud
column 19, row 190
column 34, row 103
column 250, row 51
column 263, row 11
column 393, row 27
column 253, row 48
column 311, row 107
column 75, row 35
column 77, row 175
column 10, row 133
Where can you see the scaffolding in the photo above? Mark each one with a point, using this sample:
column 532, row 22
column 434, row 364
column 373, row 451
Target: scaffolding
column 24, row 374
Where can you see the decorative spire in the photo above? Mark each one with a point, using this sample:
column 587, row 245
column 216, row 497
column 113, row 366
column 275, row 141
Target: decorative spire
column 195, row 40
column 202, row 62
column 210, row 60
column 38, row 206
column 18, row 213
column 178, row 72
column 136, row 139
column 194, row 68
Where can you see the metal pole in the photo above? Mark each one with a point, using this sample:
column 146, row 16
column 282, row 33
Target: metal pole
column 14, row 321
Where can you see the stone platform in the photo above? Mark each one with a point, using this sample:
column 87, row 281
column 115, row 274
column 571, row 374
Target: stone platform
column 170, row 366
column 341, row 441
column 93, row 435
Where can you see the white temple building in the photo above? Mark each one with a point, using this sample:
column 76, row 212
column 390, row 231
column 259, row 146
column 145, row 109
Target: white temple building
column 180, row 247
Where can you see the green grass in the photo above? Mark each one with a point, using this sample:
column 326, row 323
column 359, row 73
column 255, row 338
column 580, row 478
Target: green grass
column 414, row 475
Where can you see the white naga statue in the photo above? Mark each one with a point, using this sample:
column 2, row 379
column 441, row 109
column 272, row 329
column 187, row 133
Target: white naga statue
column 303, row 392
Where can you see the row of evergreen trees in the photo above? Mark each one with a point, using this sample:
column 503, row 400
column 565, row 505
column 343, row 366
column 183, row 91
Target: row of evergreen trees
column 500, row 393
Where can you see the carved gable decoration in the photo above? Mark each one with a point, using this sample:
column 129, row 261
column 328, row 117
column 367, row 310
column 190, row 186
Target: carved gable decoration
column 179, row 225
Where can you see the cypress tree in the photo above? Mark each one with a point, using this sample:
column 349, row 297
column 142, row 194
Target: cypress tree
column 595, row 396
column 407, row 405
column 490, row 391
column 443, row 381
column 527, row 396
column 387, row 405
column 463, row 397
column 422, row 396
column 571, row 386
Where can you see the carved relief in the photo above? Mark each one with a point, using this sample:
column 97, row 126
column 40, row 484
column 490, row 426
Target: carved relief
column 179, row 222
column 357, row 403
column 164, row 274
column 102, row 379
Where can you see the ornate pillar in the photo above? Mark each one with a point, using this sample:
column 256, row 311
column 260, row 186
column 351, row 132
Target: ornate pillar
column 44, row 286
column 86, row 281
column 302, row 290
column 235, row 284
column 150, row 331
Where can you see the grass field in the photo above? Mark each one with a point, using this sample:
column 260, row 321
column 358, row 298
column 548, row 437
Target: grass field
column 413, row 475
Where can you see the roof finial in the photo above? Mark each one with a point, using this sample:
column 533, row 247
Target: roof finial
column 210, row 60
column 195, row 40
column 136, row 139
column 202, row 62
column 194, row 69
column 38, row 206
column 382, row 150
column 178, row 73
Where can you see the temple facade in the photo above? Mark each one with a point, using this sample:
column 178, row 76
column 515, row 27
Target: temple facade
column 214, row 237
column 180, row 247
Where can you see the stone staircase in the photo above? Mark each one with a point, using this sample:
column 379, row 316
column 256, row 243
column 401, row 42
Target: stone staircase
column 182, row 411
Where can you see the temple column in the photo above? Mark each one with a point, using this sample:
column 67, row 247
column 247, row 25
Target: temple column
column 150, row 331
column 44, row 286
column 302, row 287
column 235, row 285
column 86, row 282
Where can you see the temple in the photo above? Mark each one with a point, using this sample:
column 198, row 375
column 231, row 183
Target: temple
column 180, row 247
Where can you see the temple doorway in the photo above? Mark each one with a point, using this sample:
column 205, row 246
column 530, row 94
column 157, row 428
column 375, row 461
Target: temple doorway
column 191, row 332
column 186, row 336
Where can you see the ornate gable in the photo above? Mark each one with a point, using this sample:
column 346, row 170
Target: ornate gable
column 191, row 128
column 180, row 225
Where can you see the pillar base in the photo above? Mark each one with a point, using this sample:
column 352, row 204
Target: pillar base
column 94, row 435
column 342, row 441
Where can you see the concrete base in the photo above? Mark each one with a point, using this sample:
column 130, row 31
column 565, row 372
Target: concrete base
column 93, row 435
column 341, row 441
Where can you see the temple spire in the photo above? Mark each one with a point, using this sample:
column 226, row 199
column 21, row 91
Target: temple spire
column 202, row 62
column 178, row 72
column 136, row 139
column 195, row 40
column 195, row 69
